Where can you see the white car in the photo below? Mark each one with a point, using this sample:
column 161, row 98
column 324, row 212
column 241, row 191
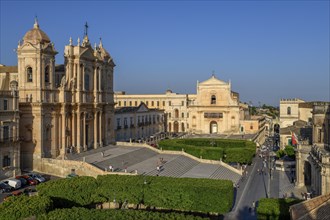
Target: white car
column 37, row 177
column 16, row 184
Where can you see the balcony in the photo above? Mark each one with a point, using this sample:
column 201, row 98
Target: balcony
column 8, row 139
column 118, row 127
column 125, row 126
column 132, row 126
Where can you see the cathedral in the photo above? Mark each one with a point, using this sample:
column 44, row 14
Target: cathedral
column 62, row 108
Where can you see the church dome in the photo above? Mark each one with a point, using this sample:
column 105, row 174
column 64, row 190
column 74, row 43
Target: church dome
column 36, row 35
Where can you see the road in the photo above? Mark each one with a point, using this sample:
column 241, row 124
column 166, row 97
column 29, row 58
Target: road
column 254, row 187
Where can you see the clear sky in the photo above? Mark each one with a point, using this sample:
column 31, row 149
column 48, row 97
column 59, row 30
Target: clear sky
column 268, row 49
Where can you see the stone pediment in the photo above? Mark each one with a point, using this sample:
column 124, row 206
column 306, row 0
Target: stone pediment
column 213, row 81
column 88, row 53
column 142, row 108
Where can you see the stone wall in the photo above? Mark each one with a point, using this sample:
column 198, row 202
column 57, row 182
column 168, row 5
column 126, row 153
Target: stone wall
column 61, row 168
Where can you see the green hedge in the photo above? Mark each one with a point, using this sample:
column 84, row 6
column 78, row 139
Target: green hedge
column 20, row 207
column 275, row 209
column 97, row 214
column 185, row 194
column 239, row 151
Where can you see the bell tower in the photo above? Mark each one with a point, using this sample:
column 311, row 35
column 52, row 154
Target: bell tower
column 36, row 65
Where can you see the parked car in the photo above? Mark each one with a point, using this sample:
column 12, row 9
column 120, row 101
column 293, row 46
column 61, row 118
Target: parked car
column 4, row 187
column 30, row 181
column 15, row 183
column 23, row 180
column 37, row 177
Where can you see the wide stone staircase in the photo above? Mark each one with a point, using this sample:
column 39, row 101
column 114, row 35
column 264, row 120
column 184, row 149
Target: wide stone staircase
column 224, row 173
column 175, row 168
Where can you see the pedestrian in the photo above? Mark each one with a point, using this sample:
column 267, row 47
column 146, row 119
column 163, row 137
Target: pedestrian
column 110, row 168
column 258, row 171
column 158, row 168
column 253, row 205
column 102, row 153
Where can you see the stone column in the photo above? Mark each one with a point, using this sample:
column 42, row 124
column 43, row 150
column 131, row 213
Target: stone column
column 73, row 129
column 78, row 146
column 84, row 132
column 96, row 99
column 100, row 129
column 95, row 130
column 63, row 125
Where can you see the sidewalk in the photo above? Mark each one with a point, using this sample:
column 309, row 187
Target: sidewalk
column 289, row 189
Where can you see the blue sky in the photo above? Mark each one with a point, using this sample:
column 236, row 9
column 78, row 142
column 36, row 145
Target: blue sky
column 268, row 49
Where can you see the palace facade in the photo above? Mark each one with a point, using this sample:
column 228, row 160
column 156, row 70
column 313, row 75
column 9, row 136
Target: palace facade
column 61, row 106
column 138, row 123
column 9, row 126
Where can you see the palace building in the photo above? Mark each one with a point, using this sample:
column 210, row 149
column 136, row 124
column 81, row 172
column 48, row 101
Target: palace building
column 60, row 106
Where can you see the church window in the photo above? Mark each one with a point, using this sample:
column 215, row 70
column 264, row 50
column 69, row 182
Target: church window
column 6, row 133
column 29, row 74
column 213, row 99
column 182, row 114
column 124, row 103
column 47, row 74
column 163, row 103
column 169, row 103
column 5, row 104
column 176, row 111
column 152, row 103
column 86, row 82
column 130, row 103
column 135, row 103
column 157, row 103
column 119, row 103
column 288, row 111
column 6, row 161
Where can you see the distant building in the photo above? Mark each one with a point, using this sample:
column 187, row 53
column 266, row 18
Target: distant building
column 214, row 109
column 289, row 111
column 61, row 107
column 137, row 123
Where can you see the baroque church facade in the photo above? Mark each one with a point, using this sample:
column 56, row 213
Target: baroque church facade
column 62, row 107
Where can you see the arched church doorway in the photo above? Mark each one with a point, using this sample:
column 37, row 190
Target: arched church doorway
column 307, row 173
column 213, row 127
column 176, row 126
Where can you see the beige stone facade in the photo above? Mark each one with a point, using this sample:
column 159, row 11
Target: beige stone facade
column 66, row 106
column 313, row 161
column 137, row 123
column 214, row 109
column 289, row 111
column 9, row 124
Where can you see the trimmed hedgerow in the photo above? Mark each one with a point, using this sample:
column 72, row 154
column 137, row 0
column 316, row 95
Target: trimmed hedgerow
column 184, row 194
column 239, row 151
